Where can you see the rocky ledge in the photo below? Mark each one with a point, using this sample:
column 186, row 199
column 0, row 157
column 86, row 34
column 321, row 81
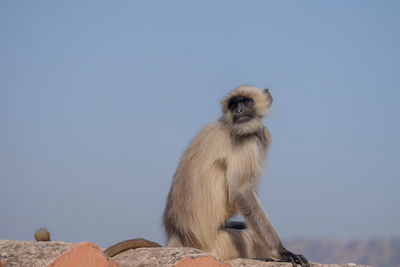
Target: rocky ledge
column 63, row 254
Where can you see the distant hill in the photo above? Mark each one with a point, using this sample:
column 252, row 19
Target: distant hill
column 374, row 252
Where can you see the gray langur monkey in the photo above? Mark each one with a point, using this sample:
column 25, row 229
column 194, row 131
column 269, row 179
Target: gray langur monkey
column 217, row 177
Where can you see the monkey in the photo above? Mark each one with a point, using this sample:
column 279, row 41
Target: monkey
column 217, row 177
column 42, row 234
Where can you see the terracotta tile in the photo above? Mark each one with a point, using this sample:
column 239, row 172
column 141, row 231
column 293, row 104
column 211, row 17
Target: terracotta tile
column 83, row 254
column 200, row 262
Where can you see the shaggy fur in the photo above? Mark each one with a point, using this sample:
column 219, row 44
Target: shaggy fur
column 216, row 178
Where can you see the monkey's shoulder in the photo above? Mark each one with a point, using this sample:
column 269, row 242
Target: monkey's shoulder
column 264, row 136
column 211, row 142
column 214, row 133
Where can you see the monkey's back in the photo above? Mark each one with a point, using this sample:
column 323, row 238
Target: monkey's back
column 198, row 202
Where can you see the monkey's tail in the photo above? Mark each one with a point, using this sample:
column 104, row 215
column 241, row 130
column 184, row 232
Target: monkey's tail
column 129, row 244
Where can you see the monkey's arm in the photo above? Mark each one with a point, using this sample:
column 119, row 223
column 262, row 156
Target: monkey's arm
column 249, row 205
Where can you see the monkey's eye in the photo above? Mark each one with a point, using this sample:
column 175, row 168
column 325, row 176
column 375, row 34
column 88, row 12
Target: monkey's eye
column 248, row 101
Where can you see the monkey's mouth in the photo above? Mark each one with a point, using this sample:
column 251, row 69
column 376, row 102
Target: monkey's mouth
column 241, row 119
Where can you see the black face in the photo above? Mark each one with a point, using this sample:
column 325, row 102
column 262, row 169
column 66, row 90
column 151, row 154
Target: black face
column 241, row 108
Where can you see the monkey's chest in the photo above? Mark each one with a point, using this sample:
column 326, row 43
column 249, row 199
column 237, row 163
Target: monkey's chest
column 247, row 160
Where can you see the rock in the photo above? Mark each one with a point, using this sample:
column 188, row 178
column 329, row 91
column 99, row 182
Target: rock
column 63, row 254
column 168, row 257
column 187, row 257
column 247, row 262
column 54, row 254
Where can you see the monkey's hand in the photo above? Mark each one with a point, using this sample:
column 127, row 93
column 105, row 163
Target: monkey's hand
column 287, row 256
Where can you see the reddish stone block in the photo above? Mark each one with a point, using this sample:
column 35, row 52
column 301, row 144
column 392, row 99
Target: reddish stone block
column 208, row 261
column 83, row 254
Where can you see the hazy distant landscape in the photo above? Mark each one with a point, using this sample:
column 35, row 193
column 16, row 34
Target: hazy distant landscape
column 374, row 252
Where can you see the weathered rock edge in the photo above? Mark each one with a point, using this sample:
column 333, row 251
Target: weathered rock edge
column 52, row 254
column 60, row 254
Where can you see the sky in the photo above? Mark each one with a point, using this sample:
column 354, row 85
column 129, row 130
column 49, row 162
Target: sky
column 99, row 99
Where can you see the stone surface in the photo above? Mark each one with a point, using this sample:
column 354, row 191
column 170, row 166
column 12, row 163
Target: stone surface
column 23, row 253
column 64, row 254
column 168, row 257
column 247, row 262
column 157, row 256
column 54, row 254
column 187, row 257
column 208, row 261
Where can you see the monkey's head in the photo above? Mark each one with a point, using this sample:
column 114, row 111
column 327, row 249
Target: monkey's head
column 244, row 108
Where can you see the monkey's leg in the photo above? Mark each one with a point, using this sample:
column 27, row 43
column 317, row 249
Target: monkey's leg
column 234, row 243
column 258, row 221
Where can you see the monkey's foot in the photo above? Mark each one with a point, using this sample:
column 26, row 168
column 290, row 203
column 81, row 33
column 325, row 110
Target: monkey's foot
column 287, row 256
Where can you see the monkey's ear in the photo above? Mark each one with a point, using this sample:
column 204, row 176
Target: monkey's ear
column 269, row 96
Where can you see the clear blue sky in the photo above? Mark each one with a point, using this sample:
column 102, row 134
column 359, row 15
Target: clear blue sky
column 98, row 100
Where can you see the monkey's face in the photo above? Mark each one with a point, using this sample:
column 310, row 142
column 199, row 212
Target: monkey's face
column 242, row 109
